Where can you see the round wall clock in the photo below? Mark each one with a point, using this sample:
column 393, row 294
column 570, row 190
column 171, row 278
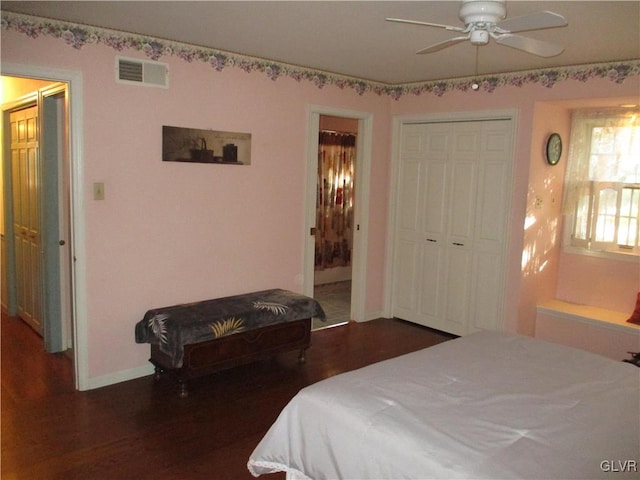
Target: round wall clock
column 554, row 149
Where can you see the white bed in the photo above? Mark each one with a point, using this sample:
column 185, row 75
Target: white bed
column 488, row 405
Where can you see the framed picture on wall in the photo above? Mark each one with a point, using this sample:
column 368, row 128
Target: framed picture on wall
column 205, row 146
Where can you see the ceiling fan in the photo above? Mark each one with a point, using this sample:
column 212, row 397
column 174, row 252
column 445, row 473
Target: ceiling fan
column 485, row 19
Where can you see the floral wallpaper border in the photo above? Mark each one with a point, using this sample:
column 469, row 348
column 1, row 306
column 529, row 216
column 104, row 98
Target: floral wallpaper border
column 77, row 36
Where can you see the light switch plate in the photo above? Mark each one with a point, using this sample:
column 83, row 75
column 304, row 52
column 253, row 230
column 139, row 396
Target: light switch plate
column 98, row 191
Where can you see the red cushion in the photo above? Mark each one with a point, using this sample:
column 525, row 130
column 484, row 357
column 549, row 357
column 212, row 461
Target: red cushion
column 635, row 316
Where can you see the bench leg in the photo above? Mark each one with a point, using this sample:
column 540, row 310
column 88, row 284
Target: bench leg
column 184, row 392
column 302, row 357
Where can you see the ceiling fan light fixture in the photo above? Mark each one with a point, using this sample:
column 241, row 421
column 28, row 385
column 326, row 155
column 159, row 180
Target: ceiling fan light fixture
column 479, row 37
column 482, row 11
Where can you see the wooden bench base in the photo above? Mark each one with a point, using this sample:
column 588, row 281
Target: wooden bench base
column 201, row 359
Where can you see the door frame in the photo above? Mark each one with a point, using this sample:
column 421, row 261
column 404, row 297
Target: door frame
column 74, row 82
column 443, row 117
column 361, row 207
column 53, row 105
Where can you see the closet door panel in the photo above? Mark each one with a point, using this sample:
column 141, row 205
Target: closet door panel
column 432, row 272
column 434, row 208
column 437, row 140
column 408, row 261
column 413, row 141
column 493, row 186
column 407, row 258
column 456, row 289
column 410, row 197
column 466, row 138
column 462, row 200
column 490, row 225
column 434, row 231
column 464, row 159
column 486, row 299
column 490, row 229
column 408, row 252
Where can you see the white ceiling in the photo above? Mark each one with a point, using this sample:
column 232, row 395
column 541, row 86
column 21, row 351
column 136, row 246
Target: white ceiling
column 352, row 37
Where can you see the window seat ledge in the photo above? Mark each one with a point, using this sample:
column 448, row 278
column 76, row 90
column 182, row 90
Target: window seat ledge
column 594, row 329
column 601, row 317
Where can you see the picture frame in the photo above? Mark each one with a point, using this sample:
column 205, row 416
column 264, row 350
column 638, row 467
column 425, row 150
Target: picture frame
column 194, row 145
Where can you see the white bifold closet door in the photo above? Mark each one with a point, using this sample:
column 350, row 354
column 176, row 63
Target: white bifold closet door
column 451, row 220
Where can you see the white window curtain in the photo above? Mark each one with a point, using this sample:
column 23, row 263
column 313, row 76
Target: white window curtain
column 602, row 181
column 608, row 129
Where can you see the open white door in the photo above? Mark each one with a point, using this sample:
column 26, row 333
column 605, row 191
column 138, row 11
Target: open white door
column 361, row 215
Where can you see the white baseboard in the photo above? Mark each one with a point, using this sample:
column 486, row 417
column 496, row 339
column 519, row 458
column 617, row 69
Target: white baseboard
column 121, row 376
column 373, row 315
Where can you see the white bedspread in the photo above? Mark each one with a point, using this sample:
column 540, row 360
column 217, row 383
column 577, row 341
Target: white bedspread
column 489, row 405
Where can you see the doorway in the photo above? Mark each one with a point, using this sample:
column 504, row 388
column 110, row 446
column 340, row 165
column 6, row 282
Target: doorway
column 337, row 150
column 337, row 212
column 36, row 276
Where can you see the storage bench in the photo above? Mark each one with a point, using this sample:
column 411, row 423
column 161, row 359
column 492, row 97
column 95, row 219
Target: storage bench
column 197, row 339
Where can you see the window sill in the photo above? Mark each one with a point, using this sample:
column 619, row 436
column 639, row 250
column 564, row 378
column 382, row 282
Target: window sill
column 610, row 255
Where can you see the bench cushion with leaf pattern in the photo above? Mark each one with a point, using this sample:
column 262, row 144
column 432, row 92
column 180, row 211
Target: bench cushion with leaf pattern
column 171, row 328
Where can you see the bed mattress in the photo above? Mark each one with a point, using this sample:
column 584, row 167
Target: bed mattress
column 489, row 405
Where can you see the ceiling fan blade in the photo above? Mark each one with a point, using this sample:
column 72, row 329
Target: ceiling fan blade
column 534, row 21
column 442, row 45
column 426, row 24
column 530, row 45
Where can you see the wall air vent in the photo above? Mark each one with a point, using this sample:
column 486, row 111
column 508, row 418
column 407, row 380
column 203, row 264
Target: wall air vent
column 142, row 72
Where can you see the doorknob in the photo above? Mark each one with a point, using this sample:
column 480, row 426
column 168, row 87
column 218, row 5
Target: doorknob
column 61, row 243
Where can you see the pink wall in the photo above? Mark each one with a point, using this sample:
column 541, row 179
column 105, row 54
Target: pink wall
column 543, row 219
column 169, row 232
column 610, row 284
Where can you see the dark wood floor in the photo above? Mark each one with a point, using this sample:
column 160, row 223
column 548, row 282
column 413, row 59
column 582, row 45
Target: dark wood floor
column 140, row 429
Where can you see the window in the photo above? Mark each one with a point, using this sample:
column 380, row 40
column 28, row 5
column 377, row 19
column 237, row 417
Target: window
column 602, row 183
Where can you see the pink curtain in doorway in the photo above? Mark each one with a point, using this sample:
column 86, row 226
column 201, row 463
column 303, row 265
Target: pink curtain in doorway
column 334, row 205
